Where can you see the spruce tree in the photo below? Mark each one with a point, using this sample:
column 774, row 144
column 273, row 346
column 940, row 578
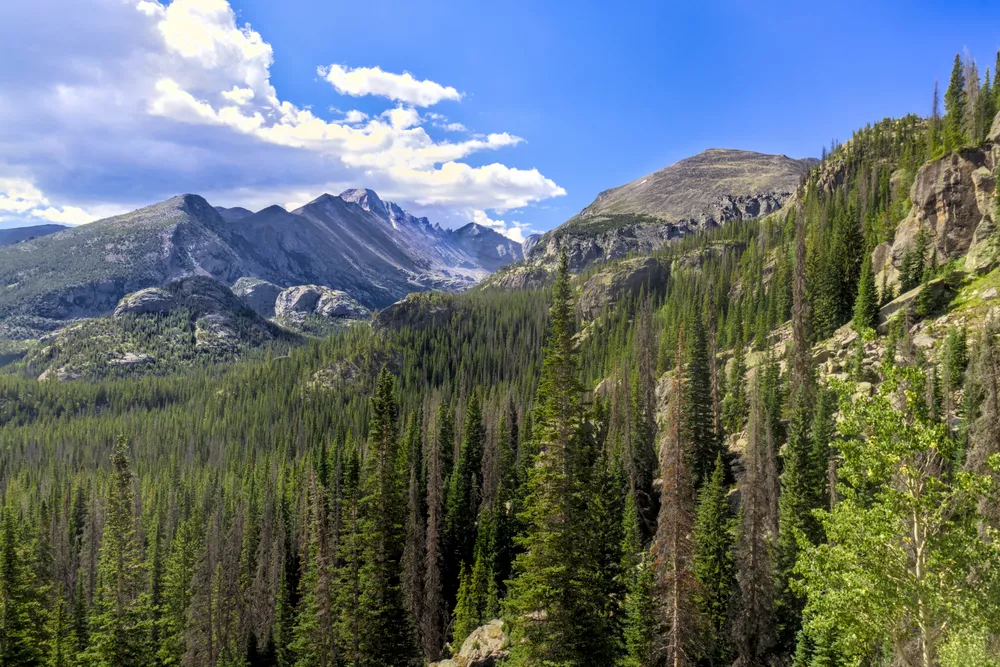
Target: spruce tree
column 554, row 612
column 697, row 413
column 387, row 636
column 432, row 618
column 713, row 562
column 20, row 609
column 414, row 551
column 462, row 498
column 866, row 305
column 954, row 103
column 120, row 619
column 183, row 561
column 314, row 639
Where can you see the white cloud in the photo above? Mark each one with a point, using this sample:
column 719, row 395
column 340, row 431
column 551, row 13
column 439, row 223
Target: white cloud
column 160, row 99
column 360, row 81
column 20, row 200
column 353, row 117
column 512, row 230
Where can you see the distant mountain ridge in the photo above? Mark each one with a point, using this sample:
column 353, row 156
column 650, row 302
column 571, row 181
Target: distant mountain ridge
column 18, row 234
column 371, row 249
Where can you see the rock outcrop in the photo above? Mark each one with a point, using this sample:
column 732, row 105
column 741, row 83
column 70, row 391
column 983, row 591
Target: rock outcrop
column 418, row 310
column 625, row 277
column 259, row 294
column 318, row 300
column 487, row 646
column 953, row 200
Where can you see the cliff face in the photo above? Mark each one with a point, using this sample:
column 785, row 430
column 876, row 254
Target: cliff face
column 954, row 200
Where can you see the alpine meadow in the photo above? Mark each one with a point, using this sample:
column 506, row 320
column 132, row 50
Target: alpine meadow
column 743, row 411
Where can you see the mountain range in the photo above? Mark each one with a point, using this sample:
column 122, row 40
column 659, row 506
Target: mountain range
column 371, row 249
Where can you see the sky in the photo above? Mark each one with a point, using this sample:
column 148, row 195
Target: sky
column 514, row 114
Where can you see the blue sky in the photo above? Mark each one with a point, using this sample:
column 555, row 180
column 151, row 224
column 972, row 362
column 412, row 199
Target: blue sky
column 515, row 114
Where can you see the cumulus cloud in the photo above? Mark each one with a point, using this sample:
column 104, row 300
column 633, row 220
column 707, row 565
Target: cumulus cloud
column 513, row 230
column 361, row 81
column 166, row 98
column 21, row 202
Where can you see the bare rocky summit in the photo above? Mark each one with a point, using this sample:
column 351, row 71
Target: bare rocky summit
column 712, row 188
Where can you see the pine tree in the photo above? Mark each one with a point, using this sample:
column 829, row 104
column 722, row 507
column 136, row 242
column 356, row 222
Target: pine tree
column 713, row 562
column 60, row 648
column 183, row 560
column 313, row 641
column 387, row 636
column 433, row 615
column 20, row 609
column 414, row 551
column 554, row 614
column 734, row 405
column 640, row 611
column 866, row 305
column 698, row 419
column 462, row 498
column 954, row 103
column 120, row 620
column 350, row 557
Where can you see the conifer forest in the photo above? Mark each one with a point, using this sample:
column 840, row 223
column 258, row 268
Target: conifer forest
column 761, row 460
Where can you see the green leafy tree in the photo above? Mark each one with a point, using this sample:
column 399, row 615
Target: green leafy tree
column 902, row 543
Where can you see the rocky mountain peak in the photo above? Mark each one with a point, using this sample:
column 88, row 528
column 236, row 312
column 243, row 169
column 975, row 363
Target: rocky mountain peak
column 366, row 199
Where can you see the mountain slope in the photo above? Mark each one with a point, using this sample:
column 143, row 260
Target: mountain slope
column 18, row 234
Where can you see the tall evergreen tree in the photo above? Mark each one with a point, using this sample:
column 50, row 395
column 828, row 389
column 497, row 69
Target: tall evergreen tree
column 866, row 305
column 183, row 561
column 713, row 562
column 314, row 643
column 120, row 619
column 20, row 606
column 387, row 636
column 954, row 103
column 697, row 413
column 462, row 498
column 555, row 613
column 432, row 618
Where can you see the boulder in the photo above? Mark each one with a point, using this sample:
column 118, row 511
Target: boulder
column 907, row 301
column 260, row 295
column 619, row 280
column 487, row 646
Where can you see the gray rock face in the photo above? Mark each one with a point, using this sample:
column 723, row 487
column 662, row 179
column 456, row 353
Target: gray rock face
column 953, row 200
column 318, row 300
column 260, row 295
column 618, row 280
column 147, row 301
column 371, row 249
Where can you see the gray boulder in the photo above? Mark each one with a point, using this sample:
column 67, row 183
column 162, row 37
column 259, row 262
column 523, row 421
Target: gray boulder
column 487, row 646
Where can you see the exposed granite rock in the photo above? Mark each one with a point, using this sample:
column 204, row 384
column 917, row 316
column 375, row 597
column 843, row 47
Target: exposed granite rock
column 907, row 301
column 952, row 199
column 487, row 646
column 318, row 300
column 153, row 300
column 618, row 280
column 259, row 294
column 518, row 277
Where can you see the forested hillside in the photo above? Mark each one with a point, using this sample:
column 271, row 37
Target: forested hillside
column 760, row 446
